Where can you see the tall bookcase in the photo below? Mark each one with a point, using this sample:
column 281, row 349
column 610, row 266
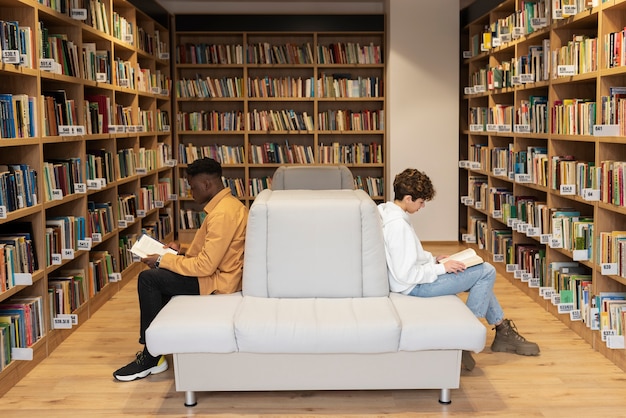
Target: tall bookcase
column 541, row 147
column 257, row 93
column 98, row 160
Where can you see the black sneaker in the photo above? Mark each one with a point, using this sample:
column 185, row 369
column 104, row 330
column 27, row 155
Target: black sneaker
column 143, row 366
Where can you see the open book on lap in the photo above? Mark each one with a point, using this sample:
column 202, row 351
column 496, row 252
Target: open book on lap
column 467, row 256
column 146, row 245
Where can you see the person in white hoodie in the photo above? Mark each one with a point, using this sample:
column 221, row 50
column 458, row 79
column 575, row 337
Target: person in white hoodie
column 414, row 271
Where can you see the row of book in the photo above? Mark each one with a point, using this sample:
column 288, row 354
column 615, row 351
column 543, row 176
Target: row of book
column 18, row 257
column 153, row 195
column 100, row 218
column 162, row 227
column 224, row 154
column 209, row 87
column 126, row 242
column 152, row 44
column 17, row 116
column 266, row 53
column 61, row 176
column 18, row 187
column 274, row 153
column 210, row 121
column 22, row 324
column 63, row 237
column 348, row 120
column 16, row 44
column 356, row 153
column 373, row 186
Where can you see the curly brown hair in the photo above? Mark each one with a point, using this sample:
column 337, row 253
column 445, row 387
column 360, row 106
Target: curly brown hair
column 413, row 183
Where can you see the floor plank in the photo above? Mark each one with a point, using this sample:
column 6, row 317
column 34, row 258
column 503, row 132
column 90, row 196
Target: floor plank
column 568, row 379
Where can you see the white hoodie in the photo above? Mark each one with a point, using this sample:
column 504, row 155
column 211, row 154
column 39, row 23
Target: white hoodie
column 407, row 261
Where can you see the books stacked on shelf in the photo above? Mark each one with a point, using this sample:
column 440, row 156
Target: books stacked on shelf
column 273, row 153
column 146, row 120
column 16, row 44
column 349, row 53
column 500, row 243
column 21, row 325
column 100, row 165
column 161, row 48
column 17, row 259
column 580, row 55
column 61, row 177
column 101, row 266
column 127, row 205
column 190, row 219
column 100, row 218
column 336, row 153
column 573, row 116
column 123, row 29
column 212, row 87
column 257, row 185
column 163, row 123
column 224, row 154
column 278, row 120
column 148, row 159
column 478, row 119
column 611, row 307
column 100, row 113
column 125, row 73
column 209, row 54
column 235, row 185
column 18, row 187
column 160, row 83
column 614, row 53
column 531, row 258
column 348, row 120
column 288, row 86
column 345, row 86
column 479, row 153
column 474, row 186
column 613, row 108
column 17, row 116
column 68, row 291
column 561, row 221
column 126, row 242
column 373, row 186
column 59, row 113
column 63, row 233
column 164, row 189
column 210, row 121
column 147, row 197
column 496, row 199
column 126, row 162
column 96, row 63
column 612, row 250
column 60, row 52
column 289, row 53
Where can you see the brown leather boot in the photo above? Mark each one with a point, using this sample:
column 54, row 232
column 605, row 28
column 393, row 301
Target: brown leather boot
column 510, row 341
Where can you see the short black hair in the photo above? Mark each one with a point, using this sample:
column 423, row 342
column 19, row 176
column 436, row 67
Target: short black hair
column 205, row 165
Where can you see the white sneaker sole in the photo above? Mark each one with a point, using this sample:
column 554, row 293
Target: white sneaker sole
column 159, row 368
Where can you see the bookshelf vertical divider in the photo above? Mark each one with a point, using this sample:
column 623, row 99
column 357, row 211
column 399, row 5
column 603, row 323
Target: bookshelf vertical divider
column 106, row 76
column 538, row 149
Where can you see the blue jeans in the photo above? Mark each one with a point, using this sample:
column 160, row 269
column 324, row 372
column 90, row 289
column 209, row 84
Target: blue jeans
column 155, row 288
column 478, row 281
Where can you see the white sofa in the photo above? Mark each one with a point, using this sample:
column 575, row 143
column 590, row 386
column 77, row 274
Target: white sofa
column 315, row 312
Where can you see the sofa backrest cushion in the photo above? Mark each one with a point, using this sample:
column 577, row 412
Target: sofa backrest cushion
column 312, row 178
column 314, row 243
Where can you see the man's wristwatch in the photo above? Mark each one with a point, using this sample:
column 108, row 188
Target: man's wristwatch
column 157, row 262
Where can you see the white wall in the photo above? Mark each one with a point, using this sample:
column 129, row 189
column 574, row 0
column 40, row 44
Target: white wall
column 423, row 105
column 422, row 88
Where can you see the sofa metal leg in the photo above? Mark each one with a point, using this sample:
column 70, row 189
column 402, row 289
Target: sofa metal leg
column 190, row 398
column 444, row 398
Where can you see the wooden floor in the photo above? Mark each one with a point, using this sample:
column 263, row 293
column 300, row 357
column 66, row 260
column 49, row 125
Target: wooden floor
column 568, row 379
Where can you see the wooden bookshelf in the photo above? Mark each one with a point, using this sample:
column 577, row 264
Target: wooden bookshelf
column 279, row 100
column 143, row 142
column 516, row 140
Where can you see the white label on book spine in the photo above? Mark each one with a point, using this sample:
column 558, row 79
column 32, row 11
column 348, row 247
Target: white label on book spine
column 607, row 333
column 522, row 227
column 24, row 354
column 67, row 253
column 80, row 188
column 173, row 197
column 129, row 218
column 470, row 239
column 62, row 321
column 478, row 205
column 538, row 22
column 518, row 31
column 580, row 255
column 57, row 194
column 501, row 172
column 128, row 38
column 93, row 185
column 497, row 214
column 103, row 181
column 463, row 164
column 117, row 129
column 476, row 128
column 164, row 55
column 158, row 204
column 557, row 14
column 475, row 165
column 46, row 64
column 565, row 70
column 155, row 89
column 545, row 292
column 565, row 308
column 469, row 201
column 609, row 269
column 569, row 9
column 166, row 128
column 496, row 42
column 517, row 274
column 84, row 244
column 123, row 82
column 521, row 129
column 567, row 189
column 615, row 342
column 131, row 129
column 510, row 268
column 556, row 243
column 526, row 277
column 545, row 238
column 56, row 259
column 606, row 130
column 66, row 130
column 121, row 223
column 141, row 171
column 591, row 195
column 115, row 277
column 74, row 319
column 468, row 90
column 24, row 279
column 523, row 178
column 479, row 88
column 11, row 57
column 515, row 80
column 498, row 258
column 504, row 128
column 101, row 77
column 505, row 37
column 467, row 54
column 171, row 163
column 141, row 213
column 492, row 127
column 3, row 212
column 96, row 237
column 575, row 315
column 534, row 282
column 511, row 221
column 79, row 14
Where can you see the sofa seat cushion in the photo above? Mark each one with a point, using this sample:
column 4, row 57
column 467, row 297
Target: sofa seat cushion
column 438, row 323
column 195, row 324
column 317, row 325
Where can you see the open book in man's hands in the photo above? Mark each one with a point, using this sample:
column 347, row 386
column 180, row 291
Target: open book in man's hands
column 147, row 245
column 467, row 256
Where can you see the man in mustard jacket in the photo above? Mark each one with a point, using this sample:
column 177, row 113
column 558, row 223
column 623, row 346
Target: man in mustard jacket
column 213, row 263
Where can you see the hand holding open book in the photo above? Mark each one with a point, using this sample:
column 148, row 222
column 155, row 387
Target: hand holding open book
column 146, row 245
column 467, row 257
